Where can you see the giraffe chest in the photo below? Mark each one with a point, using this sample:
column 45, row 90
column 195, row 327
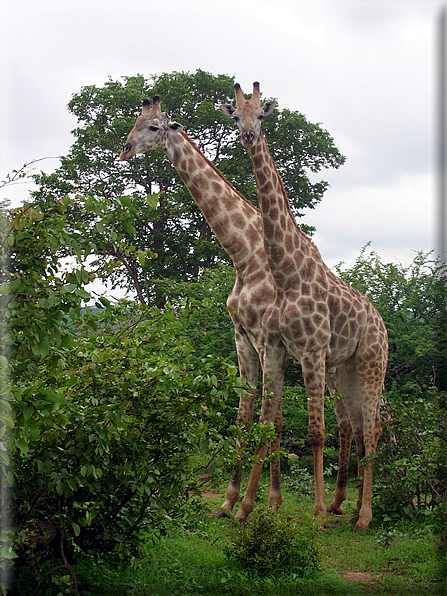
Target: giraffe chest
column 252, row 294
column 304, row 326
column 308, row 326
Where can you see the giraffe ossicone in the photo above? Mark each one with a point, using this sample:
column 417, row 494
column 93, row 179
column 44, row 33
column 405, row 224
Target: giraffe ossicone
column 330, row 328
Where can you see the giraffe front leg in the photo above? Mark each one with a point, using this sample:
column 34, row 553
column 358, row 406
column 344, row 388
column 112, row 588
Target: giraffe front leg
column 275, row 363
column 249, row 368
column 271, row 413
column 275, row 496
column 248, row 502
column 316, row 438
column 313, row 367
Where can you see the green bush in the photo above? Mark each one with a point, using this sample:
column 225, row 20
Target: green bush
column 408, row 481
column 111, row 452
column 103, row 413
column 274, row 543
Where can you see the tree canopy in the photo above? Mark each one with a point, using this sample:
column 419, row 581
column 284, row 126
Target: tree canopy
column 175, row 231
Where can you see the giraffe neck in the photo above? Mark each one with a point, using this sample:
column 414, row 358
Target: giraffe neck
column 283, row 238
column 233, row 219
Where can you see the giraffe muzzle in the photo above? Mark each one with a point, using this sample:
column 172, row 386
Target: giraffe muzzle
column 127, row 152
column 248, row 137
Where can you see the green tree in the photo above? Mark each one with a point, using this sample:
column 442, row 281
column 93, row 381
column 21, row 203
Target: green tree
column 411, row 301
column 176, row 230
column 411, row 451
column 208, row 327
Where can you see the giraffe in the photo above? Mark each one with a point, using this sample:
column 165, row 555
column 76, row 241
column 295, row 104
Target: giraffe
column 330, row 328
column 237, row 225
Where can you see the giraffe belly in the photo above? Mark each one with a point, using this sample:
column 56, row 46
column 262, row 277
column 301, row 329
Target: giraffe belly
column 341, row 353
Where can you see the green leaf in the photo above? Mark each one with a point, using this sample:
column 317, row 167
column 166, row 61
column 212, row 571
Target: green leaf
column 4, row 362
column 28, row 412
column 34, row 429
column 141, row 257
column 53, row 397
column 126, row 201
column 63, row 419
column 129, row 228
column 68, row 341
column 22, row 444
column 152, row 200
column 5, row 458
column 8, row 419
column 8, row 553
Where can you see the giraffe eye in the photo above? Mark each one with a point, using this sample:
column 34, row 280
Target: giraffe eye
column 261, row 116
column 153, row 128
column 236, row 118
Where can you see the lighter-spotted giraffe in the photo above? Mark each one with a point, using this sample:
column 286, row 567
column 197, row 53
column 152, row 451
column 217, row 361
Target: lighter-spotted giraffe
column 237, row 225
column 330, row 328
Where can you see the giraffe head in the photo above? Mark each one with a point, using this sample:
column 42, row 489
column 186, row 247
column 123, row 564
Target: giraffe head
column 151, row 130
column 248, row 114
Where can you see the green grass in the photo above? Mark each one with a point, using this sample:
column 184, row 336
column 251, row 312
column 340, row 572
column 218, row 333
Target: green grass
column 386, row 561
column 381, row 562
column 191, row 565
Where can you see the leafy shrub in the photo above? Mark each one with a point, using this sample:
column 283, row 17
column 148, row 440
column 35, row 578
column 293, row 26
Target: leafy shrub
column 298, row 479
column 274, row 543
column 111, row 451
column 102, row 413
column 407, row 477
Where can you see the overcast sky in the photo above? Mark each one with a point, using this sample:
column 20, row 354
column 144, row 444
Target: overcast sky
column 366, row 70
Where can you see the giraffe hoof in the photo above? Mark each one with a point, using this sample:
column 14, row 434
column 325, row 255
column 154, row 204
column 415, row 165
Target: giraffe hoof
column 275, row 505
column 336, row 510
column 360, row 530
column 244, row 511
column 242, row 517
column 223, row 513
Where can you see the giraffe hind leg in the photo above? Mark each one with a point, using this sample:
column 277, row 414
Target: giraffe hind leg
column 361, row 404
column 345, row 438
column 349, row 421
column 371, row 434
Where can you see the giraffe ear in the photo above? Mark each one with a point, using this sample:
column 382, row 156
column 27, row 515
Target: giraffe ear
column 268, row 107
column 227, row 109
column 174, row 127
